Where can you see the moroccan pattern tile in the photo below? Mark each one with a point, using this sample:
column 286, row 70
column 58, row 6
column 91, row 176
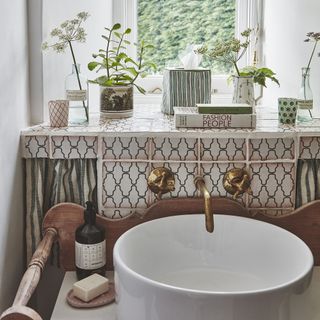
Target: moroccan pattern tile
column 271, row 149
column 74, row 147
column 36, row 147
column 124, row 184
column 214, row 174
column 125, row 148
column 174, row 149
column 309, row 148
column 184, row 174
column 223, row 149
column 272, row 185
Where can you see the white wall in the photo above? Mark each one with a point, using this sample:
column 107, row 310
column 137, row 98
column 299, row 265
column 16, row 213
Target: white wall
column 57, row 66
column 286, row 23
column 14, row 116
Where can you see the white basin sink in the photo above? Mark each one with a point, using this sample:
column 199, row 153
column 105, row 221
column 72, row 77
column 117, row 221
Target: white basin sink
column 172, row 269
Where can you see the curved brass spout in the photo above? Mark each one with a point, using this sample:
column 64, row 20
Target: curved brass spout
column 200, row 184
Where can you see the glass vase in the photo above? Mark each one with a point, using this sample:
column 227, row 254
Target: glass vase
column 76, row 85
column 305, row 98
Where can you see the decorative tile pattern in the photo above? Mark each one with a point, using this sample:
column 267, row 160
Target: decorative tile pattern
column 309, row 148
column 128, row 148
column 117, row 213
column 74, row 147
column 124, row 184
column 36, row 147
column 125, row 148
column 271, row 212
column 174, row 149
column 272, row 185
column 184, row 174
column 223, row 149
column 271, row 149
column 213, row 174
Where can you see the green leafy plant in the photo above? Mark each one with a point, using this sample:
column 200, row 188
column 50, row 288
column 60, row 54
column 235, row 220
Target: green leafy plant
column 231, row 51
column 69, row 31
column 260, row 75
column 120, row 69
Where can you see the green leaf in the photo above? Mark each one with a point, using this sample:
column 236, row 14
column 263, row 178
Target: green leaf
column 105, row 37
column 122, row 55
column 117, row 34
column 127, row 31
column 92, row 65
column 128, row 59
column 116, row 26
column 149, row 46
column 126, row 42
column 133, row 71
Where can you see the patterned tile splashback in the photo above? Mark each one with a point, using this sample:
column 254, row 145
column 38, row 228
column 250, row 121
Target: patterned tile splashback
column 127, row 150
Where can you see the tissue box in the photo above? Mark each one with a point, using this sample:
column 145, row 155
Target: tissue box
column 185, row 88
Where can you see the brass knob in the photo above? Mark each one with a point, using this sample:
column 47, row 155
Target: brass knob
column 160, row 181
column 236, row 182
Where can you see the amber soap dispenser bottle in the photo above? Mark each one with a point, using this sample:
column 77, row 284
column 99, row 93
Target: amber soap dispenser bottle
column 90, row 245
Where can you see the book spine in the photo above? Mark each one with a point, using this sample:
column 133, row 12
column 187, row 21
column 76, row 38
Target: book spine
column 215, row 121
column 225, row 110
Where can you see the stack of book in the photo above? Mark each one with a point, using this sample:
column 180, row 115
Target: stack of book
column 215, row 116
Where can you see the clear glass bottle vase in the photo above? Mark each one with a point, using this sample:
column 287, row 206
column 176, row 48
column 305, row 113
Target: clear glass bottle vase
column 305, row 98
column 76, row 85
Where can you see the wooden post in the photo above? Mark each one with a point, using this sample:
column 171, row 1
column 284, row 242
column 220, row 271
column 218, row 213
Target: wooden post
column 30, row 280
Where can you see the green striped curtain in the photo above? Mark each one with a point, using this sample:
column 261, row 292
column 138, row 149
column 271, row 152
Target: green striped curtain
column 50, row 181
column 308, row 179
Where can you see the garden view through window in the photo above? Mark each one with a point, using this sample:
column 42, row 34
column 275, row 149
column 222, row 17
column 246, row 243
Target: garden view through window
column 170, row 25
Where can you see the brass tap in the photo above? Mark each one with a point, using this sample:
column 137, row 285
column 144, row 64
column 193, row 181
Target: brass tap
column 160, row 181
column 236, row 182
column 200, row 184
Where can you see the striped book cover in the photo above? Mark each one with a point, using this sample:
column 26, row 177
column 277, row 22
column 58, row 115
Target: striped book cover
column 190, row 118
column 231, row 108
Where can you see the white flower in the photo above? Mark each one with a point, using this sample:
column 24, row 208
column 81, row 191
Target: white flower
column 83, row 15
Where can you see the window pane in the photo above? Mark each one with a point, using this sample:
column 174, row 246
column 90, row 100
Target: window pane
column 170, row 25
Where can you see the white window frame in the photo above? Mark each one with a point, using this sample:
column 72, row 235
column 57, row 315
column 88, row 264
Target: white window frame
column 248, row 15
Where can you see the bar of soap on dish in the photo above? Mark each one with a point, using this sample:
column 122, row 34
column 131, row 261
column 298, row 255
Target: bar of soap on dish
column 90, row 287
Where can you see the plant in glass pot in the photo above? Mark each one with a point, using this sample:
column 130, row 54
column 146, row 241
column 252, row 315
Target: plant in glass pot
column 305, row 98
column 76, row 84
column 230, row 52
column 121, row 73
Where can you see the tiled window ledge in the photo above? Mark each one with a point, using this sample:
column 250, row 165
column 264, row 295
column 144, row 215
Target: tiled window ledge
column 128, row 149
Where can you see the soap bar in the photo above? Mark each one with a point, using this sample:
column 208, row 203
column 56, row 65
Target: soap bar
column 90, row 287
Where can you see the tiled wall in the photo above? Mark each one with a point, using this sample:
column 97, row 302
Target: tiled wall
column 124, row 164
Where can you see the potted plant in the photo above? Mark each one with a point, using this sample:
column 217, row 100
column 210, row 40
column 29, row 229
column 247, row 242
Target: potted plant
column 76, row 84
column 120, row 73
column 230, row 52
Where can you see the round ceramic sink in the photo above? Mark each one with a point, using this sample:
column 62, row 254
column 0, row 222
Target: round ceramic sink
column 172, row 269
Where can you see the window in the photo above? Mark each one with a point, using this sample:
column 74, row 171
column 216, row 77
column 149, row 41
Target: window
column 172, row 24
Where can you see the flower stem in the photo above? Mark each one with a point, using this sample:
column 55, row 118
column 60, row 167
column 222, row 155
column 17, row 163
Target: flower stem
column 78, row 78
column 312, row 53
column 236, row 67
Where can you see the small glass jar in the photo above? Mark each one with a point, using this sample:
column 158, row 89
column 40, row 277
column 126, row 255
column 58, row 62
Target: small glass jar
column 305, row 98
column 76, row 85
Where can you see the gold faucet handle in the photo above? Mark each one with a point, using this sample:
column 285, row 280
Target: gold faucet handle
column 160, row 181
column 236, row 182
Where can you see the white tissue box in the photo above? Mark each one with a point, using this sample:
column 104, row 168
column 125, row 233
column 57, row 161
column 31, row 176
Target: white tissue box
column 185, row 88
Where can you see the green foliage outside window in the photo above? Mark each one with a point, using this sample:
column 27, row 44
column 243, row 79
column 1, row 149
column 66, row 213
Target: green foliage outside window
column 170, row 25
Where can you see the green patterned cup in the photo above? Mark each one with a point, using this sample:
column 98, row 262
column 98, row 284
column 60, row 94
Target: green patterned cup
column 287, row 108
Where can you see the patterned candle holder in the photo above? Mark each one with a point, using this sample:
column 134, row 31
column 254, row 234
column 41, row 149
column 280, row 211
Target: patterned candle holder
column 58, row 113
column 287, row 108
